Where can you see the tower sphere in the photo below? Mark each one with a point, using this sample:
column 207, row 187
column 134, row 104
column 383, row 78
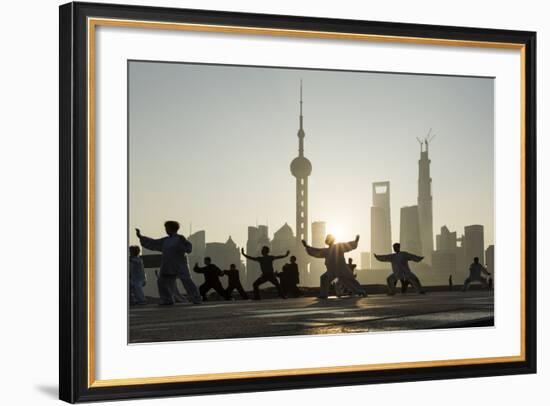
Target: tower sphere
column 300, row 167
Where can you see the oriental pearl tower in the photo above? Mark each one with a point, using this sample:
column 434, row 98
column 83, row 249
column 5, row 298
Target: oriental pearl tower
column 300, row 167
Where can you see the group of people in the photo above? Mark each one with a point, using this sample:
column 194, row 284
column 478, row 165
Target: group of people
column 174, row 265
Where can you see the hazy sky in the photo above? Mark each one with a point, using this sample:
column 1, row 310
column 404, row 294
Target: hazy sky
column 212, row 145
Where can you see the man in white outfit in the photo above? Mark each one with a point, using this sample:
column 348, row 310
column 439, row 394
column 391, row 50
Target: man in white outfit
column 400, row 268
column 174, row 248
column 336, row 265
column 476, row 269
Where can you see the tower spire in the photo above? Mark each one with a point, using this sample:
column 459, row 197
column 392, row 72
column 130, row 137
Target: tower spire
column 301, row 132
column 301, row 102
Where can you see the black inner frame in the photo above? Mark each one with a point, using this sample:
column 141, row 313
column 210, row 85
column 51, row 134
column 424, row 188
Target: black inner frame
column 73, row 289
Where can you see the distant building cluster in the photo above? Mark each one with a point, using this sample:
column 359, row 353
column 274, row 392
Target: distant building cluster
column 452, row 254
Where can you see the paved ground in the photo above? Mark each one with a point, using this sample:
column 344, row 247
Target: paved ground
column 308, row 315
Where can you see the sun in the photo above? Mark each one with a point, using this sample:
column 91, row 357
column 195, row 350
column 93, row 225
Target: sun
column 338, row 230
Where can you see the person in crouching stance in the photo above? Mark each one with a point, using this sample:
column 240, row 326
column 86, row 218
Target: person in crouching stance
column 211, row 279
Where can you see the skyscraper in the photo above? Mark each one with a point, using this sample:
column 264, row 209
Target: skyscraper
column 425, row 212
column 490, row 259
column 409, row 230
column 223, row 254
column 447, row 256
column 365, row 260
column 474, row 243
column 446, row 241
column 380, row 229
column 317, row 267
column 283, row 241
column 300, row 167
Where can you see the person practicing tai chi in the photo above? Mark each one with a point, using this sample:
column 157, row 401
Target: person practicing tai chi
column 234, row 282
column 290, row 278
column 476, row 269
column 339, row 287
column 211, row 279
column 268, row 273
column 137, row 277
column 336, row 265
column 400, row 269
column 174, row 248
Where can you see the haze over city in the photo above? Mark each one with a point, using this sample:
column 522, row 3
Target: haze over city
column 211, row 145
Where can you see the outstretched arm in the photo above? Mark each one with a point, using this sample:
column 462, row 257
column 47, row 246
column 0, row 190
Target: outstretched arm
column 415, row 258
column 384, row 258
column 248, row 256
column 218, row 270
column 198, row 269
column 282, row 256
column 484, row 270
column 315, row 252
column 351, row 245
column 149, row 243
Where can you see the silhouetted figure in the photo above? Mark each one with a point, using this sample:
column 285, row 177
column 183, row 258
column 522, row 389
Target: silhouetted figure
column 137, row 277
column 476, row 269
column 234, row 282
column 351, row 265
column 404, row 285
column 268, row 273
column 336, row 265
column 290, row 278
column 339, row 287
column 174, row 263
column 178, row 297
column 400, row 268
column 211, row 279
column 450, row 283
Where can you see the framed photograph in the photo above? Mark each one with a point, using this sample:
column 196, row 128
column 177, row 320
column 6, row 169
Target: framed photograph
column 257, row 202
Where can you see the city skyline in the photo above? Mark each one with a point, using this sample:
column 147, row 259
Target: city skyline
column 346, row 174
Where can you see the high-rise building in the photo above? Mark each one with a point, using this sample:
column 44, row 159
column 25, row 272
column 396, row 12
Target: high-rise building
column 425, row 211
column 444, row 262
column 448, row 257
column 490, row 259
column 300, row 167
column 380, row 234
column 223, row 254
column 409, row 230
column 473, row 243
column 446, row 241
column 462, row 267
column 317, row 265
column 283, row 241
column 365, row 261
